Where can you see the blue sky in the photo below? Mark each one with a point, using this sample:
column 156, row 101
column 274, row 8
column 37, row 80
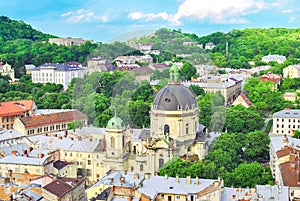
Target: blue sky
column 104, row 20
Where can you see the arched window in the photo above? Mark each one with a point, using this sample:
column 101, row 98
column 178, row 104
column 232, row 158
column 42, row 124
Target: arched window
column 112, row 141
column 195, row 125
column 160, row 162
column 186, row 129
column 166, row 129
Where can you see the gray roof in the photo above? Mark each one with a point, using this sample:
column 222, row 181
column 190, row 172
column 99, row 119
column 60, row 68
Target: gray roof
column 114, row 178
column 29, row 66
column 11, row 159
column 32, row 195
column 239, row 194
column 159, row 184
column 277, row 192
column 221, row 85
column 296, row 66
column 59, row 67
column 174, row 97
column 287, row 114
column 91, row 130
column 9, row 134
column 19, row 147
column 277, row 142
column 71, row 143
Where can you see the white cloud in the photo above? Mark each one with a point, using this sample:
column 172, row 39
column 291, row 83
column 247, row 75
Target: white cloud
column 292, row 19
column 216, row 11
column 83, row 15
column 287, row 11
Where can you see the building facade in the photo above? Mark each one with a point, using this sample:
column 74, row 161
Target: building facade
column 286, row 121
column 58, row 73
column 292, row 71
column 11, row 110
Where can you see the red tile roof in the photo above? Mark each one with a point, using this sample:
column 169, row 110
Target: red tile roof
column 160, row 65
column 247, row 101
column 60, row 117
column 18, row 107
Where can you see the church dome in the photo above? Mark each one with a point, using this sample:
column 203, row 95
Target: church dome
column 174, row 97
column 115, row 123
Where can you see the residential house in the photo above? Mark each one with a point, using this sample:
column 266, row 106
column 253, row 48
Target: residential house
column 274, row 57
column 204, row 69
column 292, row 71
column 209, row 46
column 159, row 66
column 275, row 78
column 242, row 100
column 97, row 64
column 58, row 73
column 46, row 123
column 290, row 96
column 284, row 163
column 286, row 121
column 64, row 189
column 68, row 41
column 11, row 110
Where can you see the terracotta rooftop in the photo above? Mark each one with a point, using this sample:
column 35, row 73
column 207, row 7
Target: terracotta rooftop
column 17, row 107
column 284, row 152
column 289, row 173
column 60, row 117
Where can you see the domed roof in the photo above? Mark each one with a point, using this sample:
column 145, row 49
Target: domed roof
column 174, row 97
column 115, row 123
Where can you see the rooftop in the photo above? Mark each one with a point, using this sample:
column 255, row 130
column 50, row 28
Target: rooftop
column 60, row 117
column 69, row 66
column 287, row 113
column 18, row 107
column 23, row 160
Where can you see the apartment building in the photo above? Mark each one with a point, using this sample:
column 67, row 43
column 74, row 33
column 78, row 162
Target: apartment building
column 292, row 71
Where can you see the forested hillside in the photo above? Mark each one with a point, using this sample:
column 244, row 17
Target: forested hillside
column 243, row 45
column 20, row 44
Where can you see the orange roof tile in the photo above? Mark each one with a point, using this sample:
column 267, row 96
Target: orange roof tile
column 46, row 119
column 17, row 107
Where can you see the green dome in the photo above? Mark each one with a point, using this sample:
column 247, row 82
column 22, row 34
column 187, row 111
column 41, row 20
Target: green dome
column 115, row 123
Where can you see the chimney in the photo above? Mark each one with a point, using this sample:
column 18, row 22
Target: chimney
column 60, row 137
column 146, row 176
column 66, row 134
column 122, row 180
column 177, row 179
column 71, row 138
column 166, row 176
column 197, row 180
column 188, row 180
column 29, row 149
column 14, row 152
column 24, row 152
column 42, row 155
column 136, row 176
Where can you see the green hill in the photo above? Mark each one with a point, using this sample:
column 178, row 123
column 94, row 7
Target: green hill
column 13, row 29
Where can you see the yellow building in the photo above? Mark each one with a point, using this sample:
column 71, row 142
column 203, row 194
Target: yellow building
column 292, row 71
column 45, row 123
column 11, row 110
column 6, row 69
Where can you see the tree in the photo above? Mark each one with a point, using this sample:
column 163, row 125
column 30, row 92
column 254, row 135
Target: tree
column 139, row 113
column 243, row 120
column 187, row 71
column 74, row 124
column 198, row 91
column 248, row 175
column 256, row 147
column 4, row 85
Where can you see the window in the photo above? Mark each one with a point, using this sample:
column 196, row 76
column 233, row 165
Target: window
column 141, row 167
column 177, row 197
column 132, row 168
column 112, row 142
column 160, row 162
column 89, row 162
column 187, row 129
column 166, row 129
column 70, row 154
column 162, row 196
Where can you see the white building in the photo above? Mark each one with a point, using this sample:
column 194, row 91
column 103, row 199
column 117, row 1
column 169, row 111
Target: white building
column 274, row 57
column 286, row 121
column 58, row 73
